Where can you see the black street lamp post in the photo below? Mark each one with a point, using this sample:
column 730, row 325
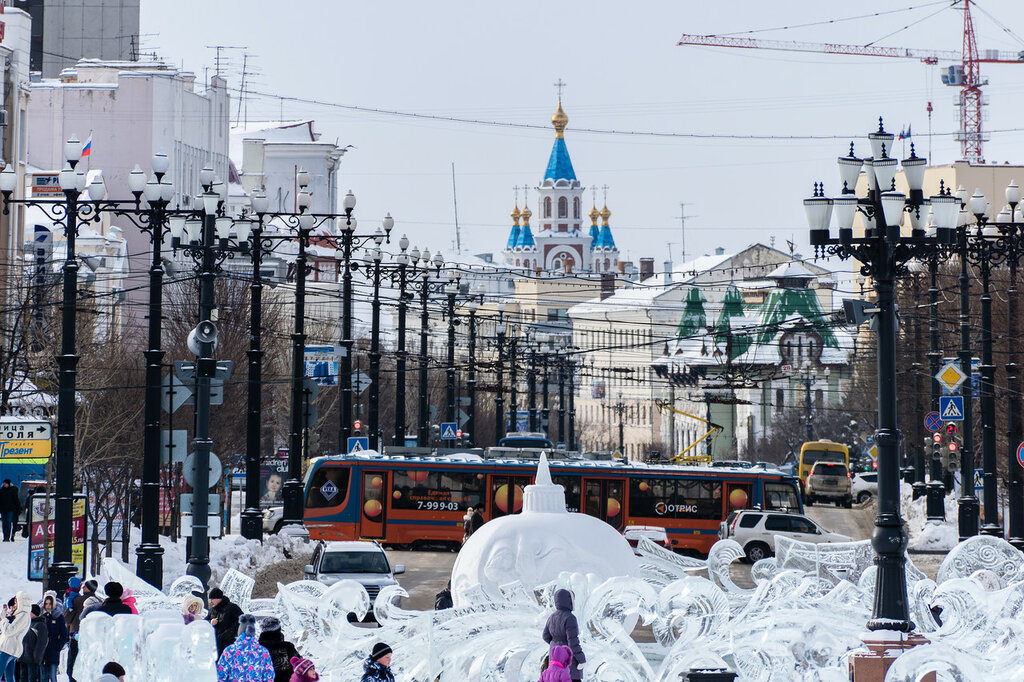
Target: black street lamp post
column 531, row 381
column 499, row 402
column 473, row 306
column 292, row 489
column 399, row 276
column 251, row 518
column 967, row 515
column 883, row 252
column 426, row 287
column 348, row 228
column 207, row 232
column 451, row 290
column 571, row 443
column 620, row 408
column 372, row 260
column 561, row 399
column 513, row 384
column 936, row 489
column 1014, row 436
column 149, row 565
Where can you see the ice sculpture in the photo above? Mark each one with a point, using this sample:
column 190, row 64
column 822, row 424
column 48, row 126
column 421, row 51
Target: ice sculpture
column 535, row 546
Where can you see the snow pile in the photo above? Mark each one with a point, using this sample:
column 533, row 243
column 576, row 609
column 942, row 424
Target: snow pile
column 925, row 535
column 231, row 551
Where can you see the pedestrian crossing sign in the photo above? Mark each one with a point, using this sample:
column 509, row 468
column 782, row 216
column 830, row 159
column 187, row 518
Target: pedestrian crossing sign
column 951, row 408
column 449, row 430
column 358, row 444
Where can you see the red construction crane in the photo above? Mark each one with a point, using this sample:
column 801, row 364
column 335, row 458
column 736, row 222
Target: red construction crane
column 966, row 76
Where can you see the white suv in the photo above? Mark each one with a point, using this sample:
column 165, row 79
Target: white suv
column 359, row 560
column 865, row 486
column 755, row 531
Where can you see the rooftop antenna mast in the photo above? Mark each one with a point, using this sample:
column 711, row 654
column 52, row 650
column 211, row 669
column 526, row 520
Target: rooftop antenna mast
column 682, row 229
column 455, row 201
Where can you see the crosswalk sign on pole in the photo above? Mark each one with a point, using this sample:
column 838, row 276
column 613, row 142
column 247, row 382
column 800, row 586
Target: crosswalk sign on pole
column 951, row 408
column 358, row 444
column 449, row 430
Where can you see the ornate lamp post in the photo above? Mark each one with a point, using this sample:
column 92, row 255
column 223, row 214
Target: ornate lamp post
column 499, row 402
column 883, row 252
column 426, row 287
column 372, row 259
column 67, row 214
column 1014, row 436
column 473, row 306
column 451, row 290
column 399, row 276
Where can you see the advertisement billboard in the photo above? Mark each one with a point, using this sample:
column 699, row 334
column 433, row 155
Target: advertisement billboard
column 42, row 513
column 273, row 474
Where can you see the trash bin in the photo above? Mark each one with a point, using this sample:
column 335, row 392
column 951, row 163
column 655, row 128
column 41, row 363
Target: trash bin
column 710, row 675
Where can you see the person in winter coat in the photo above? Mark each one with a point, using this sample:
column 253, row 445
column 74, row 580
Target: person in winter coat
column 10, row 507
column 33, row 646
column 128, row 598
column 246, row 660
column 57, row 631
column 281, row 650
column 558, row 669
column 303, row 670
column 223, row 616
column 113, row 605
column 563, row 630
column 12, row 633
column 191, row 607
column 74, row 589
column 443, row 599
column 86, row 600
column 378, row 665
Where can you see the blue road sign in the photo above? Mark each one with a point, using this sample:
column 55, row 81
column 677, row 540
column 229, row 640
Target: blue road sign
column 979, row 480
column 358, row 444
column 1020, row 454
column 951, row 408
column 449, row 430
column 933, row 422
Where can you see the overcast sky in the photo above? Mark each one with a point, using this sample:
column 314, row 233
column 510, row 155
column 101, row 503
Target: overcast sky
column 498, row 62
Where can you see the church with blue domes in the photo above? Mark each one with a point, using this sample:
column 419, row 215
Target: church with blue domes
column 562, row 243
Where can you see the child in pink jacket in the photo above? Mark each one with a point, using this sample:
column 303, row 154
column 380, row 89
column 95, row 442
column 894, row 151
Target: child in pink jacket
column 558, row 669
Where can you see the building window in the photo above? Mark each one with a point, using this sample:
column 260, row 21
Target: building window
column 780, row 399
column 819, row 398
column 563, row 227
column 576, row 208
column 563, row 207
column 547, row 207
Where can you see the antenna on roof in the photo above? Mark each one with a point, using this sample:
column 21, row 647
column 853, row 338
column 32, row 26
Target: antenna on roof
column 455, row 201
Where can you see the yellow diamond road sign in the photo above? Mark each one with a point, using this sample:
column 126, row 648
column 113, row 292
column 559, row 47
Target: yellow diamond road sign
column 950, row 376
column 873, row 451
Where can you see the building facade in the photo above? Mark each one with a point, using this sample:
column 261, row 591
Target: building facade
column 64, row 31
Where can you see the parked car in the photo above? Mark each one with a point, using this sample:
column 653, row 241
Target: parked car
column 755, row 531
column 361, row 560
column 865, row 486
column 829, row 481
column 272, row 518
column 655, row 534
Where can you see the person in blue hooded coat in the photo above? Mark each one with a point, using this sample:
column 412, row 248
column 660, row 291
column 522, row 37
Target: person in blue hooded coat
column 563, row 630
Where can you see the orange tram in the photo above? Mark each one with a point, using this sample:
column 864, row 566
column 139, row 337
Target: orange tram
column 404, row 501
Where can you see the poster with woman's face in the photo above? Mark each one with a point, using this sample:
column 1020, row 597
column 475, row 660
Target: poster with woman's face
column 273, row 472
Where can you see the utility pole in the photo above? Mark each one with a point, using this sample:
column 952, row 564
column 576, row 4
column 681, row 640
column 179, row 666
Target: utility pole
column 682, row 229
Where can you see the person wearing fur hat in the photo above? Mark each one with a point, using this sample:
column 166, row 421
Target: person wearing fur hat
column 246, row 660
column 303, row 670
column 281, row 650
column 191, row 608
column 378, row 665
column 12, row 633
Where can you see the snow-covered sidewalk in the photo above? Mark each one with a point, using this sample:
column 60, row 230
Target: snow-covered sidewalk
column 925, row 535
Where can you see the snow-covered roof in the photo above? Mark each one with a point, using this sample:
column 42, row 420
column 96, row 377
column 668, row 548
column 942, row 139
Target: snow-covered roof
column 690, row 269
column 639, row 296
column 791, row 270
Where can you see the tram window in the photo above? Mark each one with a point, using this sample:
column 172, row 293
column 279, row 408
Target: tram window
column 675, row 498
column 572, row 491
column 322, row 495
column 781, row 496
column 436, row 490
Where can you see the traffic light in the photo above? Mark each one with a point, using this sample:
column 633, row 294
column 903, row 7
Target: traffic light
column 357, row 426
column 952, row 461
column 313, row 444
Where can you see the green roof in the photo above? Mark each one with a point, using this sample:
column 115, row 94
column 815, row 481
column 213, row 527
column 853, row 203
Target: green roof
column 694, row 320
column 732, row 306
column 782, row 305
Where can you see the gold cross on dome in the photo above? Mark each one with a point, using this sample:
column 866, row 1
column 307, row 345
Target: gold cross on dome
column 560, row 84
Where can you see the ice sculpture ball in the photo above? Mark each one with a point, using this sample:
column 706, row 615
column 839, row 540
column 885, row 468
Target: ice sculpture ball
column 534, row 547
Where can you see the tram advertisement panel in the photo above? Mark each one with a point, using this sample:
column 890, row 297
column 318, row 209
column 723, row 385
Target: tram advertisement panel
column 437, row 490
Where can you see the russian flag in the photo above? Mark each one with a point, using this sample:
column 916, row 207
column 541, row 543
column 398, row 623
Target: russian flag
column 87, row 149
